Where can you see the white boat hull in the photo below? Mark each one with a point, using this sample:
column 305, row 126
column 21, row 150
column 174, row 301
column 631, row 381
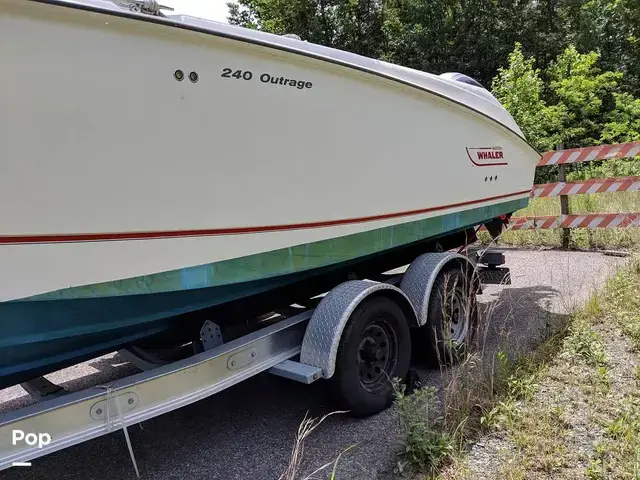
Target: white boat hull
column 112, row 168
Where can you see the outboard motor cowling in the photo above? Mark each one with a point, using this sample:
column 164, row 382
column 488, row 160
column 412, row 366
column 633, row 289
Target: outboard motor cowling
column 461, row 77
column 470, row 84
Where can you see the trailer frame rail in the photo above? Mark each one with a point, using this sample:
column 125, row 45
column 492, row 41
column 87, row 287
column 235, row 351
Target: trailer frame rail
column 77, row 417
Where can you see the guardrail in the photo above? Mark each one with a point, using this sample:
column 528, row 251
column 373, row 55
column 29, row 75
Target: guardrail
column 564, row 189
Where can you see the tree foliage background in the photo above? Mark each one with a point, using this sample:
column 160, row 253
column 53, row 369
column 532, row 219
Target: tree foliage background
column 567, row 70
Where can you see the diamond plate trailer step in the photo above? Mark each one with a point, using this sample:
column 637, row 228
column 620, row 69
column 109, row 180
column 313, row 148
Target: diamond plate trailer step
column 494, row 275
column 77, row 417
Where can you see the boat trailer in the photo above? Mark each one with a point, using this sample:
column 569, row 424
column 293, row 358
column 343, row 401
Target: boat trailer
column 310, row 344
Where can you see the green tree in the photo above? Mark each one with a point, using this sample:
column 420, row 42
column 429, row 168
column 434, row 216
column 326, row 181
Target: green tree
column 631, row 60
column 350, row 25
column 623, row 122
column 417, row 33
column 519, row 89
column 611, row 29
column 585, row 92
column 473, row 37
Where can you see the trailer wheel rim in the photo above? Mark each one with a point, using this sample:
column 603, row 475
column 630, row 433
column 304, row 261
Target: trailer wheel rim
column 457, row 317
column 377, row 355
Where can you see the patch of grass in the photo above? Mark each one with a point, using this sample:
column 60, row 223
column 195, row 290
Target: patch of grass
column 512, row 468
column 585, row 343
column 623, row 301
column 518, row 382
column 592, row 309
column 539, row 435
column 577, row 375
column 604, row 169
column 458, row 470
column 477, row 395
column 615, row 202
column 603, row 376
column 618, row 454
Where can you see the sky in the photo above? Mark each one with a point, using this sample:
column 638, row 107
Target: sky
column 209, row 9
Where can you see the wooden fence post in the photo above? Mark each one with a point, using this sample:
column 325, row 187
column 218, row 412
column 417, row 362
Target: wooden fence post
column 564, row 201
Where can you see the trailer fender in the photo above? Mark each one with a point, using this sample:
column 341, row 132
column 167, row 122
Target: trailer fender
column 421, row 275
column 323, row 333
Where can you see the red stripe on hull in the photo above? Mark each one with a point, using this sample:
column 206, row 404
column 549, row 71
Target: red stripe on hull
column 112, row 236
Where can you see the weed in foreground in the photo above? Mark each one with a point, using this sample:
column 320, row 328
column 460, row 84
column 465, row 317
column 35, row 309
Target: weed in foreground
column 426, row 445
column 587, row 344
column 307, row 426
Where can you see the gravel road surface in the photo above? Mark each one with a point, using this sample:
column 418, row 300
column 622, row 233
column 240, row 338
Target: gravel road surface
column 246, row 432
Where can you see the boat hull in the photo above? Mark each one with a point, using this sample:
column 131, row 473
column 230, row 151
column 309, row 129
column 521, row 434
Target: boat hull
column 51, row 331
column 153, row 167
column 114, row 169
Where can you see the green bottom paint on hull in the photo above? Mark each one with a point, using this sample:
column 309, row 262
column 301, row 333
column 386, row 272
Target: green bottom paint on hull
column 289, row 260
column 48, row 332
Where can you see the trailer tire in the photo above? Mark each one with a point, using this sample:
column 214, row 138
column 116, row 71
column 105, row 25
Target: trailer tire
column 374, row 348
column 452, row 317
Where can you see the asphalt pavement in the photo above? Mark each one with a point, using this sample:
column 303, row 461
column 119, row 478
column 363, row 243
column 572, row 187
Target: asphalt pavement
column 247, row 431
